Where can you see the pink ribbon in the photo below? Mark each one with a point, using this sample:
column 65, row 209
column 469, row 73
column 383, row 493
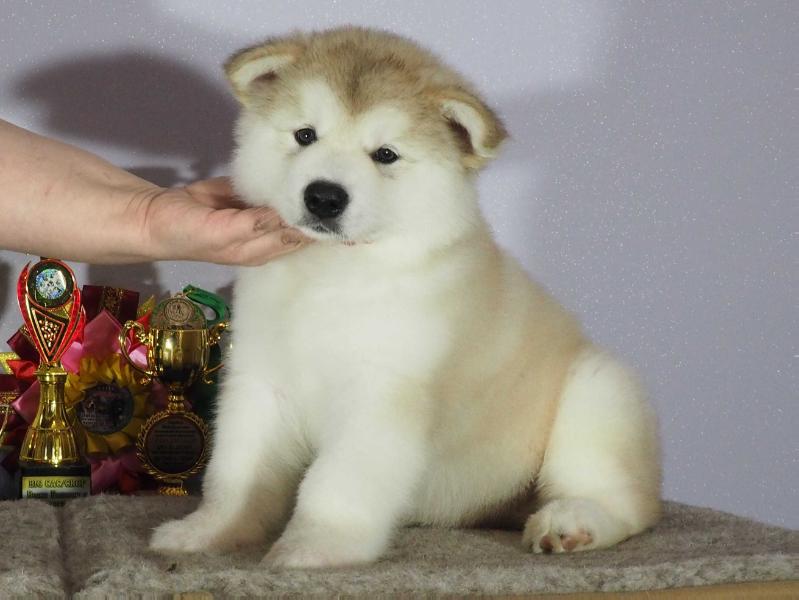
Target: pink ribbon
column 99, row 341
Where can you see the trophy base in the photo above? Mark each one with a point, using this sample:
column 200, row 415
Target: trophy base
column 54, row 484
column 173, row 489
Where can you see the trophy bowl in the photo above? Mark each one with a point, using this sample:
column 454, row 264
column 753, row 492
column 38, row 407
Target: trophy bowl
column 175, row 357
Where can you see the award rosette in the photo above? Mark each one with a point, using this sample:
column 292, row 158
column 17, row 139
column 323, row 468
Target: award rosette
column 51, row 464
column 108, row 402
column 173, row 443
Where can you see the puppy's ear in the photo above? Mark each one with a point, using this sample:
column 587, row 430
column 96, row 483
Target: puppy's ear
column 252, row 69
column 476, row 127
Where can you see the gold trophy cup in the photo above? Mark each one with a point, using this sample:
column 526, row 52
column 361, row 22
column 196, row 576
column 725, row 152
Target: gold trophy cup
column 51, row 463
column 173, row 443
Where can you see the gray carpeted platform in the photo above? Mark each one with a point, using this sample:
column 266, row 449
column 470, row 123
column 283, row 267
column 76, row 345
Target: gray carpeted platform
column 103, row 553
column 30, row 557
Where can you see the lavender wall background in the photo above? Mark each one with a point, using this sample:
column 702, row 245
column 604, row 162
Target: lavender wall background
column 651, row 181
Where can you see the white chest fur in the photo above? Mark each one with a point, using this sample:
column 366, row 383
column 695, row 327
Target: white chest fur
column 343, row 331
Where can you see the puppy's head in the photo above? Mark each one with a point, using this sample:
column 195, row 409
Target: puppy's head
column 358, row 135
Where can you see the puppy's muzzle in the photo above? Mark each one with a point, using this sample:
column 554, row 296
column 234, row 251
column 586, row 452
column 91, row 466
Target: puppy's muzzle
column 326, row 200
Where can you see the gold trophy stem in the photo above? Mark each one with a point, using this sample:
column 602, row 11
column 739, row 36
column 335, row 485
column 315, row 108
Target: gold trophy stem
column 50, row 439
column 176, row 402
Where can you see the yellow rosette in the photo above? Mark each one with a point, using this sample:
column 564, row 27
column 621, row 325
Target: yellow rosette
column 107, row 403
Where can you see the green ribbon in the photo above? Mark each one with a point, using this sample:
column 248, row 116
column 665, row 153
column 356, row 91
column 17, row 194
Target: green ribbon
column 203, row 395
column 211, row 300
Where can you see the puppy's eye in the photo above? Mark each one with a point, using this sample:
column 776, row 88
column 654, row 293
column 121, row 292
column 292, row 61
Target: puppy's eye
column 384, row 155
column 305, row 136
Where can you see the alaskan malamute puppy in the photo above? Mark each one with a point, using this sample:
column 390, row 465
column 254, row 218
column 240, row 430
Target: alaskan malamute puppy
column 401, row 369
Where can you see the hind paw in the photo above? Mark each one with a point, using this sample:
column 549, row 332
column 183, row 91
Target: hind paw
column 568, row 525
column 579, row 540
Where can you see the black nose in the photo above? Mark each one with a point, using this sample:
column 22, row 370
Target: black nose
column 325, row 199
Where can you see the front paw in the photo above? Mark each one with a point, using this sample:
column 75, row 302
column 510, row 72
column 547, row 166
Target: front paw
column 319, row 549
column 180, row 535
column 202, row 531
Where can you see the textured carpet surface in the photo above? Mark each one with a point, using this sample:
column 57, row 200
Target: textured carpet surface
column 104, row 542
column 30, row 557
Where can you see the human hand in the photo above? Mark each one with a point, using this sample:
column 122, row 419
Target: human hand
column 205, row 221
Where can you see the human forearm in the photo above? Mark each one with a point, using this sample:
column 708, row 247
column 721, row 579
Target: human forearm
column 58, row 200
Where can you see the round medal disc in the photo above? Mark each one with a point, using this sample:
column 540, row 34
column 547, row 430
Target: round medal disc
column 174, row 444
column 50, row 284
column 177, row 313
column 105, row 408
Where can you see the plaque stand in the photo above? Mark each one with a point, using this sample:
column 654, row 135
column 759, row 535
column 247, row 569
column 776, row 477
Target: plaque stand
column 172, row 446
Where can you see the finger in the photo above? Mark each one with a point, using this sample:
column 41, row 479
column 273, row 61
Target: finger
column 268, row 220
column 217, row 192
column 221, row 202
column 255, row 220
column 266, row 247
column 249, row 236
column 218, row 186
column 264, row 219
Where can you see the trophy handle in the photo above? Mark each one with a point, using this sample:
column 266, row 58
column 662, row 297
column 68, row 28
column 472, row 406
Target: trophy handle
column 215, row 332
column 142, row 336
column 214, row 335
